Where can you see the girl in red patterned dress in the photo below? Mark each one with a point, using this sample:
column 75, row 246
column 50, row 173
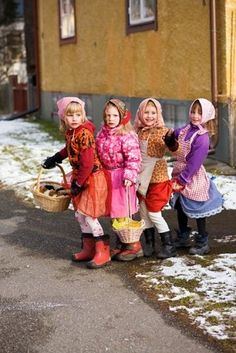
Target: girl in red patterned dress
column 89, row 188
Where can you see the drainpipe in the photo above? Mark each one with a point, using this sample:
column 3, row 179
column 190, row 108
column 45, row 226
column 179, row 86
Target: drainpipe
column 232, row 92
column 214, row 82
column 36, row 48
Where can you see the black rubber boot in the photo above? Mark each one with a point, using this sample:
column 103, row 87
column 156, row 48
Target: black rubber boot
column 183, row 239
column 167, row 248
column 201, row 246
column 149, row 242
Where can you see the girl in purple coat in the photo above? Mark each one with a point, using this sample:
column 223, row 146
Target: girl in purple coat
column 196, row 196
column 119, row 153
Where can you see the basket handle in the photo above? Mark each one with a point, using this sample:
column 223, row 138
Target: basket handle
column 127, row 189
column 40, row 174
column 63, row 174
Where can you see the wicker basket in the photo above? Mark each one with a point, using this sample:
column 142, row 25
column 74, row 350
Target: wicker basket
column 50, row 203
column 128, row 234
column 130, row 230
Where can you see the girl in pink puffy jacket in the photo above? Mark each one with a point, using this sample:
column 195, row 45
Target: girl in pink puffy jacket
column 119, row 153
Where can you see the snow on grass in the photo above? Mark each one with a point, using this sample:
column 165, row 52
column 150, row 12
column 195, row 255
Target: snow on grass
column 23, row 147
column 226, row 185
column 203, row 287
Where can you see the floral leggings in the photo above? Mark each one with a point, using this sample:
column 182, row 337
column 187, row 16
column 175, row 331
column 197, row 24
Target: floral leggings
column 89, row 224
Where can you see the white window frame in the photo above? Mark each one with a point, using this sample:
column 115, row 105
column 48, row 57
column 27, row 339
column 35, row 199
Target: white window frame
column 67, row 21
column 142, row 18
column 140, row 23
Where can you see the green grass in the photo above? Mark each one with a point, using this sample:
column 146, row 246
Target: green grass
column 51, row 127
column 204, row 261
column 190, row 284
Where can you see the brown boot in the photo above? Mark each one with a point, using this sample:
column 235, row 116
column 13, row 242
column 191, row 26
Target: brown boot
column 102, row 252
column 130, row 252
column 88, row 248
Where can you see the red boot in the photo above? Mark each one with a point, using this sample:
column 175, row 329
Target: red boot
column 117, row 250
column 102, row 253
column 88, row 248
column 131, row 251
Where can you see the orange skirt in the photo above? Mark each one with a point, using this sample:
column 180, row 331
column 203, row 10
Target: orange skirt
column 94, row 200
column 158, row 195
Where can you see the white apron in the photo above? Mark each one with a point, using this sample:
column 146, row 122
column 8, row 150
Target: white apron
column 147, row 167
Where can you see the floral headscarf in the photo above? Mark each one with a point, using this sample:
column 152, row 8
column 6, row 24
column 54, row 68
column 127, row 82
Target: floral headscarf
column 139, row 121
column 125, row 115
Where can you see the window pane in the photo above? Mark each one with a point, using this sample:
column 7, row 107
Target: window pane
column 141, row 11
column 19, row 8
column 149, row 9
column 67, row 19
column 134, row 11
column 141, row 15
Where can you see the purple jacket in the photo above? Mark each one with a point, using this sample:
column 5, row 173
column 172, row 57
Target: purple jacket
column 197, row 154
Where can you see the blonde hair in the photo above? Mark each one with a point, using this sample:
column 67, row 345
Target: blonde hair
column 124, row 129
column 108, row 105
column 211, row 127
column 151, row 103
column 72, row 108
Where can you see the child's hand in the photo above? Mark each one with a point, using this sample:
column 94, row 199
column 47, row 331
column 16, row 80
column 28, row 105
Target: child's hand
column 75, row 188
column 176, row 186
column 127, row 182
column 170, row 140
column 50, row 162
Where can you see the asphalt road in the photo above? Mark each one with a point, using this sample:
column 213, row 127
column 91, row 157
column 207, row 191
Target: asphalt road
column 51, row 305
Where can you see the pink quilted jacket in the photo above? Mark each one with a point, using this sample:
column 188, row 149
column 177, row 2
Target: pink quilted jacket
column 119, row 151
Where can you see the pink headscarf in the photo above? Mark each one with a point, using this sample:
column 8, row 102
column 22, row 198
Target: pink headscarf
column 208, row 112
column 139, row 121
column 63, row 103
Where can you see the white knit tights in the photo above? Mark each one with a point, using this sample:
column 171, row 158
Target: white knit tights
column 153, row 219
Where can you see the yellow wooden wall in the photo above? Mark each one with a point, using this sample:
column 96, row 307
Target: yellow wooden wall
column 170, row 63
column 230, row 49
